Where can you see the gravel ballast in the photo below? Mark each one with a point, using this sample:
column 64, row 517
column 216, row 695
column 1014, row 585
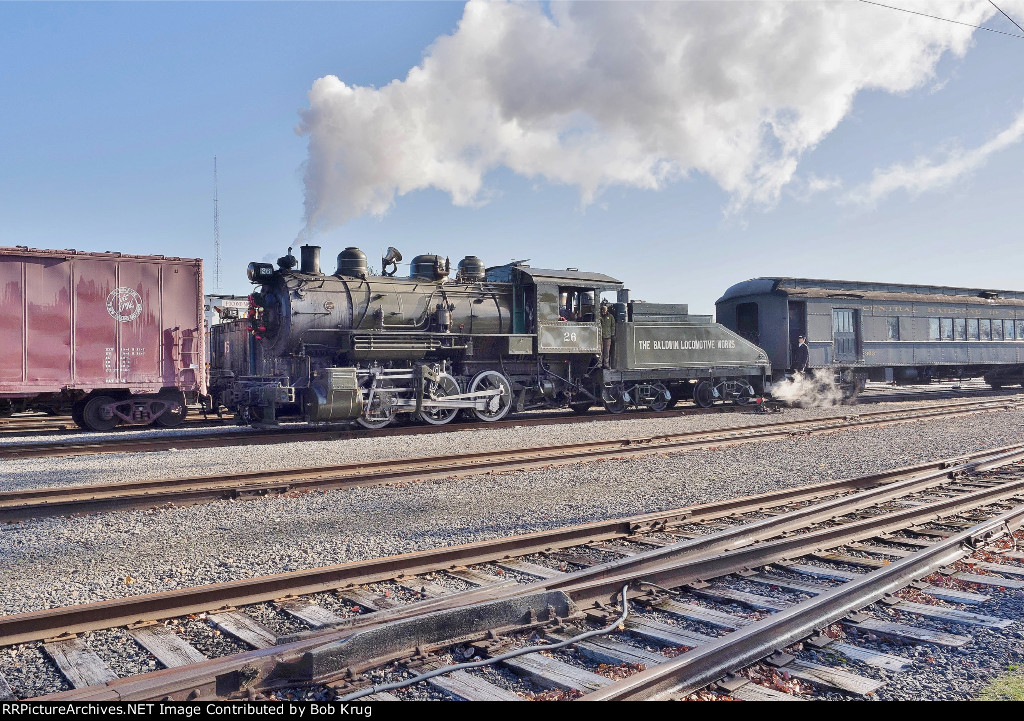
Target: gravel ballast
column 64, row 561
column 186, row 462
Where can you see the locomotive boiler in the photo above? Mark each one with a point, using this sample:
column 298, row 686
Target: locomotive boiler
column 356, row 345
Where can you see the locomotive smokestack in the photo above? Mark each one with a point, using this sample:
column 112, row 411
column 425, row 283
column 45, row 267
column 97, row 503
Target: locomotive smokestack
column 310, row 259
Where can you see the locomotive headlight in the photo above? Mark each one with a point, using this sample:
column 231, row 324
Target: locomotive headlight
column 259, row 272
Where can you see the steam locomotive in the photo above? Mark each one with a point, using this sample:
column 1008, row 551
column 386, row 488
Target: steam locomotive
column 356, row 345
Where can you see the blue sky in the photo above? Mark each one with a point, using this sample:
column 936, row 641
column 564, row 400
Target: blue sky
column 111, row 115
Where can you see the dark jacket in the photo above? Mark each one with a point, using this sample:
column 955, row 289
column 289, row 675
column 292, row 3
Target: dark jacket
column 800, row 358
column 607, row 325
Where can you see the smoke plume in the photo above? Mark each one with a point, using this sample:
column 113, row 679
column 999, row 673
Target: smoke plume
column 602, row 94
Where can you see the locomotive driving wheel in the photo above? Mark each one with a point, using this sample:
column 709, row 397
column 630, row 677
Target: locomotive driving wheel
column 381, row 409
column 497, row 405
column 445, row 386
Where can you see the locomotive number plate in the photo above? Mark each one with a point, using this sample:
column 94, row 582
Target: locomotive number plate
column 569, row 337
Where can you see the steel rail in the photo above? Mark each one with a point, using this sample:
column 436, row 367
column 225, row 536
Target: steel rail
column 220, row 675
column 684, row 563
column 590, row 585
column 36, row 625
column 296, row 433
column 315, row 433
column 706, row 664
column 38, row 503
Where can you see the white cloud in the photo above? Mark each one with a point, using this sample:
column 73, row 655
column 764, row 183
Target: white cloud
column 930, row 173
column 595, row 95
column 803, row 189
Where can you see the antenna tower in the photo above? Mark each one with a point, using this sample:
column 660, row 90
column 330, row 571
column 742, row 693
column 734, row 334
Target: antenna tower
column 216, row 232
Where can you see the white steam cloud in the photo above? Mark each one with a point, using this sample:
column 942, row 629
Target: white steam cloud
column 817, row 389
column 598, row 94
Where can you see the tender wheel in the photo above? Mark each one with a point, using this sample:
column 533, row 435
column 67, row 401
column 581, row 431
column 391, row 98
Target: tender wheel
column 660, row 402
column 499, row 405
column 445, row 386
column 614, row 402
column 93, row 416
column 744, row 397
column 703, row 394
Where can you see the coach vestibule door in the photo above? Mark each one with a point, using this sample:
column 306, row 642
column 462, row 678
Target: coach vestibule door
column 844, row 333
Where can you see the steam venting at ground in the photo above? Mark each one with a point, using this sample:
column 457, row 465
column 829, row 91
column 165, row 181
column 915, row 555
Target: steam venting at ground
column 817, row 389
column 594, row 95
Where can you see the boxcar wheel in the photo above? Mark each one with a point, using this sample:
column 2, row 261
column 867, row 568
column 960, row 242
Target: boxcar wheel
column 703, row 394
column 92, row 414
column 172, row 417
column 77, row 411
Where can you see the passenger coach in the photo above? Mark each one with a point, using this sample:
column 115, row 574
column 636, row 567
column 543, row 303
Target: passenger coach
column 882, row 331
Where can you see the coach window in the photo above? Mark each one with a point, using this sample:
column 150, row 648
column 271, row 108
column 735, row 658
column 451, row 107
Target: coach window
column 1008, row 333
column 1020, row 329
column 997, row 330
column 933, row 329
column 972, row 329
column 894, row 328
column 947, row 329
column 986, row 328
column 959, row 329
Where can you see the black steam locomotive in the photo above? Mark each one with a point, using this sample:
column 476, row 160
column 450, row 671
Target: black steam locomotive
column 356, row 345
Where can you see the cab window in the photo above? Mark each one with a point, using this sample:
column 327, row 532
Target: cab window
column 576, row 304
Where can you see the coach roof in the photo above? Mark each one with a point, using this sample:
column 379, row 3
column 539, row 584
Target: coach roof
column 860, row 290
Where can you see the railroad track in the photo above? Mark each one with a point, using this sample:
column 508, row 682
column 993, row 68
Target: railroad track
column 64, row 426
column 23, row 505
column 290, row 433
column 798, row 561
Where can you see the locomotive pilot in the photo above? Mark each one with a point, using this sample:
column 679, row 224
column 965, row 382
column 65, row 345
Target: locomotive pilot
column 607, row 321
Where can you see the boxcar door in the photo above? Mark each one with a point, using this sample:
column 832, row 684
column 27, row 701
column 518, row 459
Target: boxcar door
column 844, row 334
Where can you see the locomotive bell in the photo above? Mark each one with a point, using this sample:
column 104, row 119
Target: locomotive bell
column 352, row 263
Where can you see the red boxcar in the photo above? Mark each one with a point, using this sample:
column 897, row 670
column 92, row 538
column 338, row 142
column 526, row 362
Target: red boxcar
column 113, row 338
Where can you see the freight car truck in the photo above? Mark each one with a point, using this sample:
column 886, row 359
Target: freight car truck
column 114, row 338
